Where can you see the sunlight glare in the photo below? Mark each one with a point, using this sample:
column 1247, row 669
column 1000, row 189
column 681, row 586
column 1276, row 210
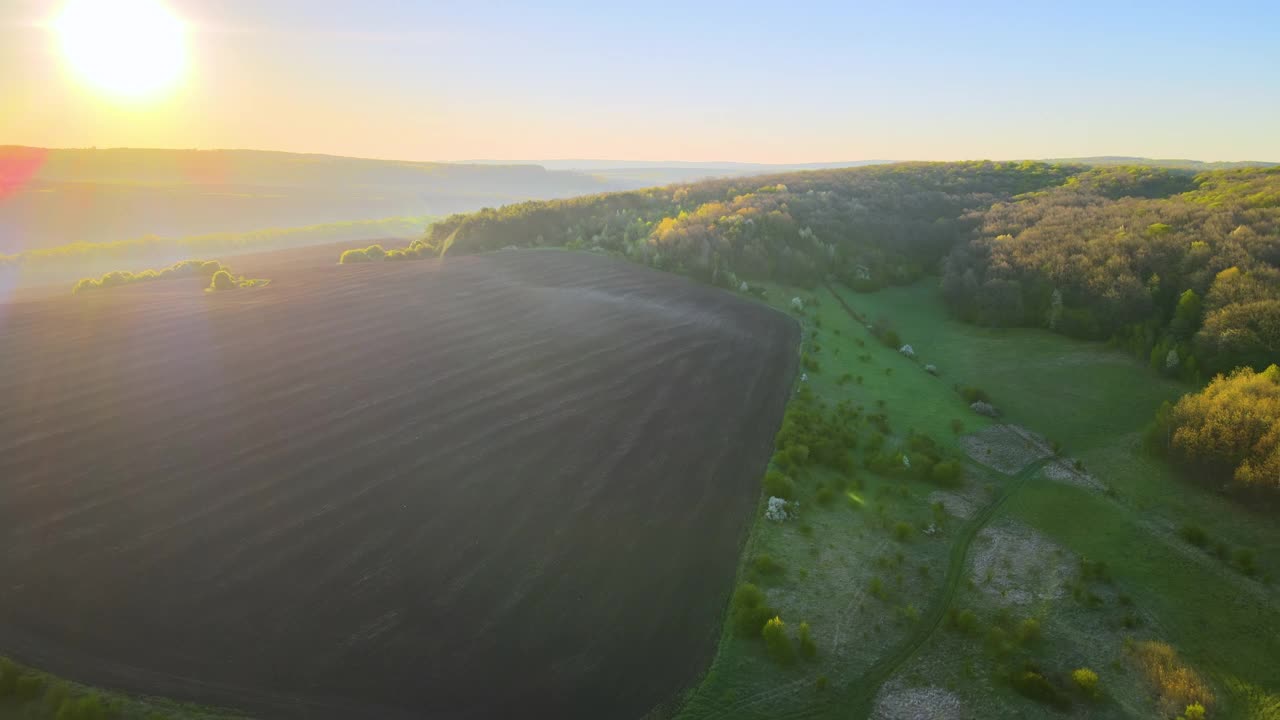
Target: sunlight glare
column 127, row 48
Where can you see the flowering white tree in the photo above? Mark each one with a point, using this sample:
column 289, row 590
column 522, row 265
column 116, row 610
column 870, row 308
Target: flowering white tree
column 777, row 510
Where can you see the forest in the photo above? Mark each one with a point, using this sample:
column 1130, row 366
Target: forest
column 1178, row 268
column 868, row 227
column 1181, row 270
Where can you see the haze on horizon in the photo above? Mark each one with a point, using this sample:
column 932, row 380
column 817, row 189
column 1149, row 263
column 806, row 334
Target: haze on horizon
column 826, row 81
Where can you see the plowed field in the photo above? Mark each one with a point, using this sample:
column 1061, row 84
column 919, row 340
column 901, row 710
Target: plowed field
column 509, row 485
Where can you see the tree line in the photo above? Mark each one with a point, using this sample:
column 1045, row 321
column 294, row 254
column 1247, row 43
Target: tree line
column 1181, row 269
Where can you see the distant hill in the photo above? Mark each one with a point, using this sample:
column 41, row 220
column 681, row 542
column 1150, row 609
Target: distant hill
column 641, row 173
column 51, row 197
column 1175, row 164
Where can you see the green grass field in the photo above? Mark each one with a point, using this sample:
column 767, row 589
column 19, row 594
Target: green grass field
column 1093, row 402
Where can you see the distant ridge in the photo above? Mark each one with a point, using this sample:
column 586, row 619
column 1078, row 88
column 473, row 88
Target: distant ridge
column 1173, row 163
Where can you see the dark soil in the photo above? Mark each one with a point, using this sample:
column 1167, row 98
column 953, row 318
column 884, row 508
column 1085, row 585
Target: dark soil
column 508, row 485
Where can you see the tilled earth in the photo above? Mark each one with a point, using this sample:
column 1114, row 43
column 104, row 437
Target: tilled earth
column 506, row 485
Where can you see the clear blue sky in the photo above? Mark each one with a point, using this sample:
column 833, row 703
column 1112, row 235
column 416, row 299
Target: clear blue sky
column 774, row 82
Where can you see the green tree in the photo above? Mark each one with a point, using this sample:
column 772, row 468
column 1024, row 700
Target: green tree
column 1186, row 317
column 808, row 648
column 776, row 641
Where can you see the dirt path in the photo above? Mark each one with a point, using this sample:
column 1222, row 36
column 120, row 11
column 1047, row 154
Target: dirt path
column 863, row 693
column 860, row 697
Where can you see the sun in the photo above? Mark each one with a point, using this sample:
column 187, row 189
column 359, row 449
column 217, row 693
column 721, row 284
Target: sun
column 131, row 49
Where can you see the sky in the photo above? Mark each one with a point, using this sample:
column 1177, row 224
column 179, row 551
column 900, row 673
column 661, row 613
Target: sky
column 778, row 82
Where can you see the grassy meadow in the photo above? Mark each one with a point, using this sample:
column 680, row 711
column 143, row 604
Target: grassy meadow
column 1117, row 565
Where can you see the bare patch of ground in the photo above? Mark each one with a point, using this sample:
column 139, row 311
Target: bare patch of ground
column 1017, row 565
column 955, row 504
column 896, row 702
column 1062, row 471
column 1006, row 448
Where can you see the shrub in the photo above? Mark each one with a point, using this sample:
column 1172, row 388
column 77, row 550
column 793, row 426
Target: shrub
column 1030, row 683
column 85, row 284
column 1176, row 685
column 766, row 566
column 964, row 621
column 375, row 253
column 54, row 696
column 1086, row 680
column 901, row 531
column 9, row 672
column 222, row 280
column 825, row 496
column 748, row 611
column 29, row 686
column 355, row 255
column 1195, row 535
column 973, row 394
column 1245, row 563
column 946, row 473
column 821, row 683
column 1028, row 630
column 957, row 426
column 1194, row 711
column 808, row 648
column 88, row 707
column 776, row 641
column 778, row 485
column 876, row 588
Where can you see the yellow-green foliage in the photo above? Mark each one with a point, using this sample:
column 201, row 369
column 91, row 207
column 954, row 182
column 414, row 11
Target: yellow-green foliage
column 1085, row 679
column 1232, row 427
column 1176, row 685
column 376, row 253
column 222, row 280
column 1194, row 711
column 777, row 642
column 186, row 268
column 808, row 648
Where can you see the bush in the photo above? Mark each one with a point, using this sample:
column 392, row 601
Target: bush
column 778, row 485
column 1030, row 683
column 29, row 686
column 766, row 566
column 1194, row 711
column 1028, row 630
column 821, row 683
column 88, row 707
column 355, row 255
column 901, row 531
column 946, row 473
column 973, row 394
column 1086, row 680
column 222, row 280
column 776, row 641
column 375, row 253
column 9, row 672
column 808, row 648
column 54, row 696
column 963, row 621
column 1195, row 535
column 1176, row 685
column 825, row 496
column 748, row 612
column 1245, row 563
